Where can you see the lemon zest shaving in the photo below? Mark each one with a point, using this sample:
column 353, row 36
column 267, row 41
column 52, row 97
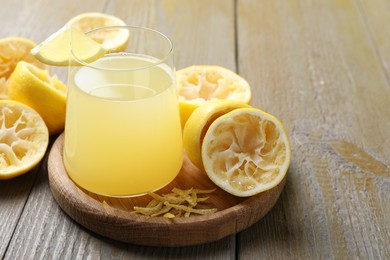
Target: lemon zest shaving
column 175, row 204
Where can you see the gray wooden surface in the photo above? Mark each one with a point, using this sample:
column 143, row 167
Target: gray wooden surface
column 321, row 66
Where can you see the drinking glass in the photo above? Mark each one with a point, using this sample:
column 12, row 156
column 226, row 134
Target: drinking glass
column 122, row 132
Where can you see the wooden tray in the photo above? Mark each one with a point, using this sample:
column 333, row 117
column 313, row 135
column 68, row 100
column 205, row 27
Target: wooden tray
column 114, row 219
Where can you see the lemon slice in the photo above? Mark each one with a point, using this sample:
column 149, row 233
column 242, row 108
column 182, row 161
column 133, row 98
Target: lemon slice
column 23, row 138
column 110, row 39
column 55, row 50
column 246, row 151
column 200, row 84
column 37, row 89
column 13, row 50
column 198, row 123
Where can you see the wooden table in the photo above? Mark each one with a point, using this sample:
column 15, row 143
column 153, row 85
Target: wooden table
column 321, row 66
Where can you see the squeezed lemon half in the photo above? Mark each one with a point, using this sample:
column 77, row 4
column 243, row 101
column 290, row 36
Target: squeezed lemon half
column 242, row 149
column 13, row 50
column 45, row 94
column 23, row 138
column 198, row 123
column 200, row 84
column 246, row 151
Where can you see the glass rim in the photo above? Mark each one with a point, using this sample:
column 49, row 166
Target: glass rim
column 159, row 61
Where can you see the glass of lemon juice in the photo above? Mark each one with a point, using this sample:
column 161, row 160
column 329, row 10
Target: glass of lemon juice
column 122, row 133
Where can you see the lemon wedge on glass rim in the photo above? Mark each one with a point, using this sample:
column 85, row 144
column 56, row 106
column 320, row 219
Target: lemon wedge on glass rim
column 55, row 50
column 23, row 139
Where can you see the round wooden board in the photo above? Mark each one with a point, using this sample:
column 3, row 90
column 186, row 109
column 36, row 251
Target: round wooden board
column 114, row 219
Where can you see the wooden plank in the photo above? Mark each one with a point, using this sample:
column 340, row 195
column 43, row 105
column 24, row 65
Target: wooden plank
column 26, row 19
column 200, row 35
column 44, row 230
column 314, row 65
column 18, row 21
column 114, row 221
column 376, row 16
column 13, row 197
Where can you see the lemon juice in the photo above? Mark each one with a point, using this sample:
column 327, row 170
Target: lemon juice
column 122, row 134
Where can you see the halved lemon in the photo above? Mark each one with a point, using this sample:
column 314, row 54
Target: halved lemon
column 198, row 123
column 246, row 151
column 199, row 84
column 45, row 94
column 23, row 138
column 55, row 50
column 13, row 50
column 110, row 39
column 3, row 88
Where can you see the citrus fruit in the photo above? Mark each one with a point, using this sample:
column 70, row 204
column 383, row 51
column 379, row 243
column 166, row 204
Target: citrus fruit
column 55, row 50
column 198, row 123
column 37, row 89
column 199, row 84
column 3, row 88
column 23, row 138
column 246, row 151
column 110, row 39
column 13, row 50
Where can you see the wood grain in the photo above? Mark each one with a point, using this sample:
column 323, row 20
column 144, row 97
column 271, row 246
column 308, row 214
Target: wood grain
column 322, row 67
column 53, row 233
column 375, row 15
column 20, row 18
column 314, row 65
column 206, row 36
column 13, row 196
column 113, row 217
